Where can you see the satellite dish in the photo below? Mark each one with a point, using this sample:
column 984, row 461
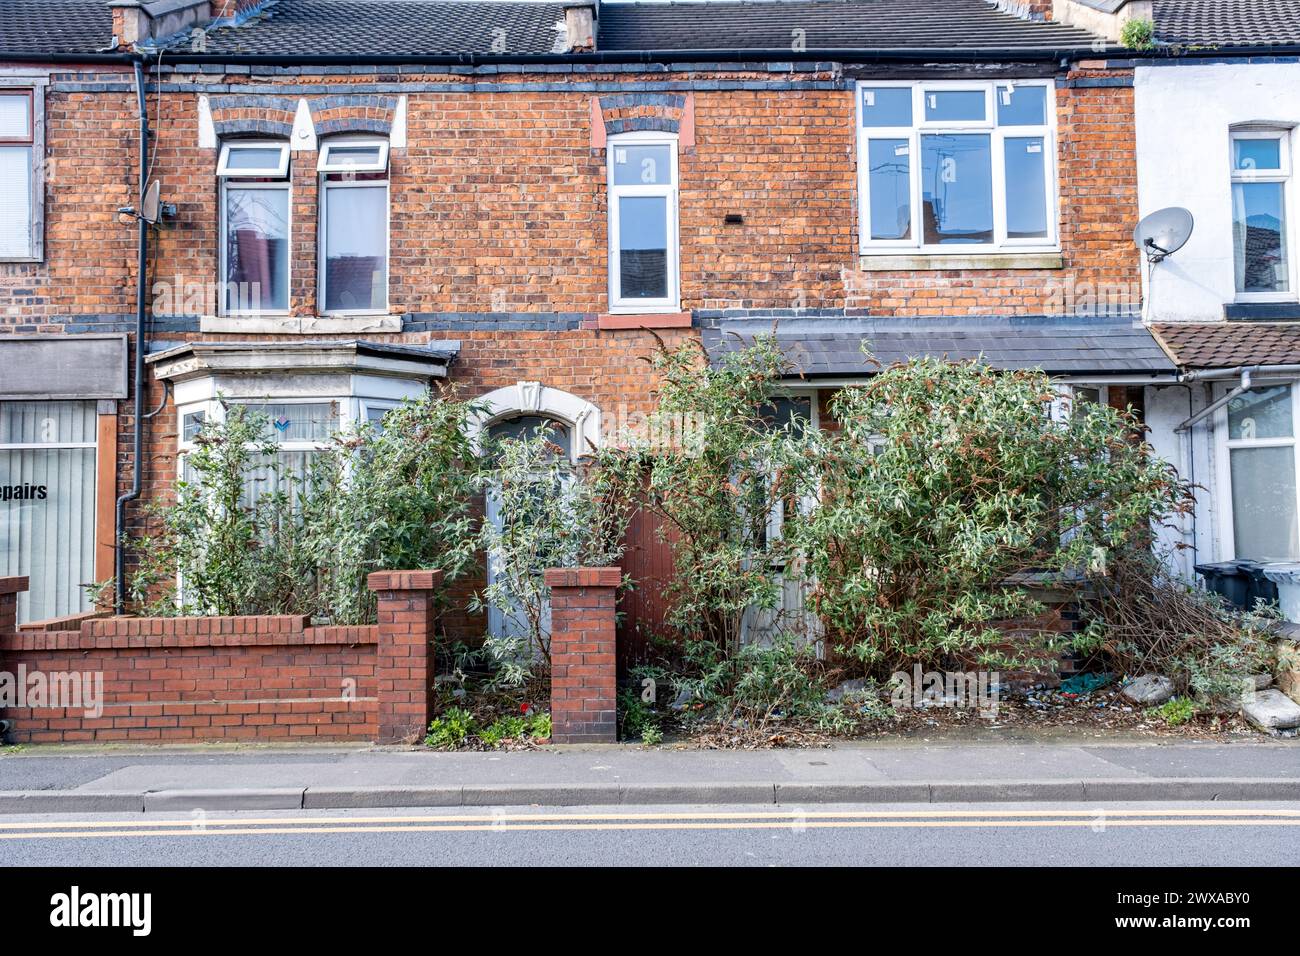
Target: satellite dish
column 1163, row 233
column 151, row 208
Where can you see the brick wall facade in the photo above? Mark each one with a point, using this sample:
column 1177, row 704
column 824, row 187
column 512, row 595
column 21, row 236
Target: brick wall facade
column 227, row 678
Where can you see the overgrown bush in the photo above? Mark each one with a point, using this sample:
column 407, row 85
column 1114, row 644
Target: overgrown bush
column 945, row 491
column 249, row 535
column 711, row 471
column 555, row 514
column 1148, row 621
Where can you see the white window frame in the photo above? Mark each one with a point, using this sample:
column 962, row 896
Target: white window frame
column 1281, row 175
column 34, row 89
column 324, row 185
column 233, row 182
column 324, row 164
column 670, row 193
column 279, row 171
column 1223, row 462
column 998, row 135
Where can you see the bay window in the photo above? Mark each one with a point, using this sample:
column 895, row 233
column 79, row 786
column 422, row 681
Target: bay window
column 353, row 226
column 643, row 222
column 255, row 234
column 1259, row 460
column 957, row 166
column 19, row 175
column 1261, row 173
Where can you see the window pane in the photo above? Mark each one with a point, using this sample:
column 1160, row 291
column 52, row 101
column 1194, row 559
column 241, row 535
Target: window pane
column 643, row 247
column 284, row 473
column 15, row 117
column 1261, row 413
column 528, row 427
column 353, row 156
column 887, row 106
column 257, row 249
column 15, row 201
column 47, row 423
column 1026, row 188
column 1021, row 105
column 191, row 424
column 315, row 421
column 788, row 412
column 643, row 166
column 253, row 157
column 356, row 253
column 1264, row 503
column 954, row 105
column 1259, row 237
column 957, row 189
column 1256, row 154
column 890, row 187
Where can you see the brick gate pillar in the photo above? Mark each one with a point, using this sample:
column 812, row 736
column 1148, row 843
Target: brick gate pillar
column 583, row 688
column 10, row 588
column 405, row 664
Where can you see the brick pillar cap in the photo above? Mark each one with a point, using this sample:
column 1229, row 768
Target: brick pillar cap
column 404, row 580
column 14, row 585
column 583, row 577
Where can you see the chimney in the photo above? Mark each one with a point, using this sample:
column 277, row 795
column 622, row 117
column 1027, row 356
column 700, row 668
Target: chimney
column 229, row 9
column 140, row 22
column 1026, row 9
column 1104, row 17
column 580, row 26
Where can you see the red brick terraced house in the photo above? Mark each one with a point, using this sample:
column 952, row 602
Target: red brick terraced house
column 357, row 198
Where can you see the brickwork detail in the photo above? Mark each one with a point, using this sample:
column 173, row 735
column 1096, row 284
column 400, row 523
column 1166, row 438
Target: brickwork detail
column 583, row 655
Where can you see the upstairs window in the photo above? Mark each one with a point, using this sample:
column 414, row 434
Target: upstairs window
column 957, row 166
column 354, row 226
column 19, row 197
column 643, row 223
column 1261, row 175
column 254, row 227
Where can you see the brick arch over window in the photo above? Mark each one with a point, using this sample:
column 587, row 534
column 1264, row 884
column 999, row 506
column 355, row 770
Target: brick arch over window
column 643, row 112
column 252, row 115
column 353, row 113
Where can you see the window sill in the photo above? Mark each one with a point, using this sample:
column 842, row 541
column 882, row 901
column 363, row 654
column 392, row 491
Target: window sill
column 299, row 324
column 928, row 262
column 1248, row 311
column 643, row 320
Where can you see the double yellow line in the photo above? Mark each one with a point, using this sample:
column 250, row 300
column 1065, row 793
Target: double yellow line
column 791, row 820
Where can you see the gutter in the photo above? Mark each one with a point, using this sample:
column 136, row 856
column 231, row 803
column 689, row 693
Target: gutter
column 649, row 57
column 142, row 257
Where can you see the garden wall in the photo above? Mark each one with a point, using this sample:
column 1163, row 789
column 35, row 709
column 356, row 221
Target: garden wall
column 272, row 678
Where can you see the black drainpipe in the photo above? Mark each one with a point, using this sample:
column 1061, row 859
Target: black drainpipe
column 142, row 255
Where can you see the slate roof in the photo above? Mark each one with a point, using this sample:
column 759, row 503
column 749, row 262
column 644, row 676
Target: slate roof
column 1210, row 22
column 1230, row 344
column 392, row 28
column 828, row 24
column 833, row 347
column 54, row 26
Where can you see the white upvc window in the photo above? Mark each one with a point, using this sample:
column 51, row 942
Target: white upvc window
column 1257, row 458
column 21, row 179
column 255, row 212
column 354, row 227
column 643, row 237
column 1262, row 224
column 957, row 166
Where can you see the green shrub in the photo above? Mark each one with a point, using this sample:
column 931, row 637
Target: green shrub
column 1175, row 712
column 452, row 730
column 1138, row 34
column 946, row 492
column 758, row 684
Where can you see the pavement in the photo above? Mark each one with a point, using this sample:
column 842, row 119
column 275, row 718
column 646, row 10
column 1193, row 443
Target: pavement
column 37, row 780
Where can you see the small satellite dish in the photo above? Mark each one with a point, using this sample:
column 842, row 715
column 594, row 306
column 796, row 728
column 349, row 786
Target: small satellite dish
column 1163, row 233
column 151, row 208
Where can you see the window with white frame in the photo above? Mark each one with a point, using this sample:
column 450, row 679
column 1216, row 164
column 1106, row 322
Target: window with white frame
column 255, row 204
column 20, row 152
column 1260, row 454
column 353, row 226
column 957, row 166
column 1261, row 174
column 643, row 222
